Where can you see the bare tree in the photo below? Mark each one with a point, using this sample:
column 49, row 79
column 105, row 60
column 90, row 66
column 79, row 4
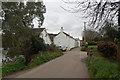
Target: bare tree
column 98, row 11
column 91, row 35
column 109, row 32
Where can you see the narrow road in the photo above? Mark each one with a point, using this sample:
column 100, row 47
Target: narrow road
column 70, row 65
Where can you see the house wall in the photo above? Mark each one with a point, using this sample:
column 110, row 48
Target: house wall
column 64, row 41
column 61, row 40
column 44, row 35
column 72, row 43
column 78, row 43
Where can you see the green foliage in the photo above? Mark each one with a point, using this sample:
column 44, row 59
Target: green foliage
column 38, row 43
column 12, row 52
column 45, row 58
column 18, row 14
column 102, row 68
column 20, row 60
column 107, row 49
column 91, row 35
column 83, row 48
column 110, row 32
column 17, row 27
column 92, row 46
column 93, row 52
column 0, row 72
column 117, row 41
column 13, row 67
column 88, row 47
column 92, row 43
column 31, row 46
column 52, row 47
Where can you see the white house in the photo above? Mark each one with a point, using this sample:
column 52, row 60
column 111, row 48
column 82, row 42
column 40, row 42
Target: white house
column 43, row 34
column 64, row 40
column 77, row 42
column 52, row 37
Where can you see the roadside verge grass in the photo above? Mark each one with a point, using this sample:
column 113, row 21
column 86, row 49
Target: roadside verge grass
column 0, row 72
column 84, row 48
column 100, row 67
column 19, row 64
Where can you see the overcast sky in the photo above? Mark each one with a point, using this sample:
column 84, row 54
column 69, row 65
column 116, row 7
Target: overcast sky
column 56, row 17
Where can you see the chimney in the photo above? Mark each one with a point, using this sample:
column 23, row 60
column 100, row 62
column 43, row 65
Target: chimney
column 61, row 29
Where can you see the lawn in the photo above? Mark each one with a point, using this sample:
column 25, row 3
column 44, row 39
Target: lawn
column 83, row 48
column 92, row 46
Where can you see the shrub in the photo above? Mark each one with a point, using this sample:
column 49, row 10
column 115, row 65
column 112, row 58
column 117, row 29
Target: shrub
column 118, row 53
column 53, row 48
column 86, row 44
column 20, row 60
column 38, row 43
column 101, row 68
column 12, row 52
column 14, row 66
column 107, row 49
column 92, row 43
column 83, row 48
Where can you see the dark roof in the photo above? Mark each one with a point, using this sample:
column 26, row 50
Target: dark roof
column 68, row 35
column 38, row 30
column 52, row 36
column 77, row 39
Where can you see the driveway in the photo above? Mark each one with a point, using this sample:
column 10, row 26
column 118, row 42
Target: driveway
column 69, row 65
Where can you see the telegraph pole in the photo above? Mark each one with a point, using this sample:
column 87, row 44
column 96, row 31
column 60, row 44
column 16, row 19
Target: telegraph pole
column 84, row 31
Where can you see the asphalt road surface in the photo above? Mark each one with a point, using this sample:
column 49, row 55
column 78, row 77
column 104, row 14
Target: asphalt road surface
column 69, row 65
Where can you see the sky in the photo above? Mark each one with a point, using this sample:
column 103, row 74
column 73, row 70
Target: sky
column 56, row 17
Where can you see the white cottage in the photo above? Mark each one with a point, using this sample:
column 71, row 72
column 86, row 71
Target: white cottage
column 77, row 42
column 52, row 37
column 64, row 40
column 43, row 34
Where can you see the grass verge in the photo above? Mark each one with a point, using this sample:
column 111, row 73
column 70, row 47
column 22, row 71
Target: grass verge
column 0, row 72
column 84, row 48
column 100, row 67
column 92, row 46
column 19, row 64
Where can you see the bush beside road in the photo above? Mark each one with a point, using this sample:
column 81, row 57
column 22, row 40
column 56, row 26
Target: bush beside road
column 100, row 66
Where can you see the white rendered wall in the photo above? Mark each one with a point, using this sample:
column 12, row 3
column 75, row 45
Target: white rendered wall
column 78, row 43
column 65, row 41
column 45, row 37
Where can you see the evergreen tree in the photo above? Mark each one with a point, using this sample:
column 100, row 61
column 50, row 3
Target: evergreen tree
column 17, row 26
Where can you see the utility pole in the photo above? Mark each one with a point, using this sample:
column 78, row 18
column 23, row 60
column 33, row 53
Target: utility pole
column 84, row 31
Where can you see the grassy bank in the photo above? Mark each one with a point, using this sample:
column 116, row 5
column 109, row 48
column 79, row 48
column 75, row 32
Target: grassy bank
column 100, row 67
column 19, row 64
column 0, row 71
column 83, row 48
